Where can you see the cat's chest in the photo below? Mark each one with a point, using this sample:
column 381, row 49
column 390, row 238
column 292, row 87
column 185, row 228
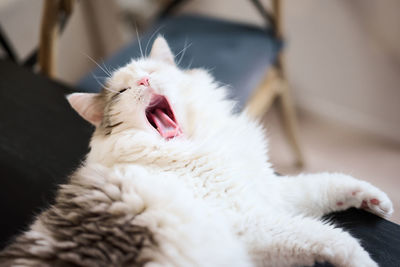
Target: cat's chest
column 208, row 177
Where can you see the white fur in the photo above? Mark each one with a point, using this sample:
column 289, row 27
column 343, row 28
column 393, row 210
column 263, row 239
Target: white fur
column 210, row 196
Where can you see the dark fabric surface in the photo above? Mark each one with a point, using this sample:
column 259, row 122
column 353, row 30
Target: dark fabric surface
column 42, row 140
column 379, row 237
column 237, row 55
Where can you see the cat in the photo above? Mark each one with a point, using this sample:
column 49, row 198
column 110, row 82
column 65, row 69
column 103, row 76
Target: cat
column 174, row 178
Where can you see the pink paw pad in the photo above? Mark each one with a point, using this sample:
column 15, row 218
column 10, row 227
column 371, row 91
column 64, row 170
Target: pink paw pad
column 364, row 204
column 374, row 201
column 340, row 203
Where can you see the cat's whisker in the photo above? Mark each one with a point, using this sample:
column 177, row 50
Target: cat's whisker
column 182, row 52
column 115, row 69
column 99, row 82
column 210, row 69
column 186, row 46
column 104, row 86
column 224, row 84
column 181, row 57
column 111, row 90
column 105, row 66
column 140, row 45
column 190, row 64
column 151, row 37
column 101, row 77
column 94, row 61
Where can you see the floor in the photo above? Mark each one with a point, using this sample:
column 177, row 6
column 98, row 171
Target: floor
column 328, row 146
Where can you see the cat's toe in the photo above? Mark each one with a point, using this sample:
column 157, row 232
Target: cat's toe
column 380, row 206
column 375, row 201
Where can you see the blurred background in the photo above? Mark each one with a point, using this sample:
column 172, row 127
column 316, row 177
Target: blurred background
column 342, row 62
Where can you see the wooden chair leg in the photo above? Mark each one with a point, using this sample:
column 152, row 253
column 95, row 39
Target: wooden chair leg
column 47, row 37
column 275, row 86
column 48, row 33
column 263, row 97
column 289, row 120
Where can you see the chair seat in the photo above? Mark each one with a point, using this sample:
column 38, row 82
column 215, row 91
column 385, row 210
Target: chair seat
column 236, row 54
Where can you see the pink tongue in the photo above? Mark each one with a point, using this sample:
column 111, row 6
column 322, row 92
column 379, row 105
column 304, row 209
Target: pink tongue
column 165, row 126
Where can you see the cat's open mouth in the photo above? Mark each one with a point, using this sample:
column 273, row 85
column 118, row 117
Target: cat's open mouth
column 161, row 116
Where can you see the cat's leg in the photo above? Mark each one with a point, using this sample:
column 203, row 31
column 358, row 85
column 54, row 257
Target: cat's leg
column 319, row 194
column 303, row 241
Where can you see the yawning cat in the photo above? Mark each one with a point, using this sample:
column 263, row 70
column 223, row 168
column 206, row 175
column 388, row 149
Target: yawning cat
column 173, row 178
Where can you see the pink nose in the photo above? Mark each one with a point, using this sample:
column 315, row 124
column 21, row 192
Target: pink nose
column 144, row 81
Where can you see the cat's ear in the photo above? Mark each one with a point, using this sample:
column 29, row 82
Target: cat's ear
column 88, row 105
column 161, row 51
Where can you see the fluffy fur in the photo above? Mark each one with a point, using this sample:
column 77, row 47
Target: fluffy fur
column 206, row 198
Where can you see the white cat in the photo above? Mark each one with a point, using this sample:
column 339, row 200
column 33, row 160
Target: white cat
column 168, row 155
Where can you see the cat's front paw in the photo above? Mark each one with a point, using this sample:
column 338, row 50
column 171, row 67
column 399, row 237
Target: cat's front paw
column 366, row 196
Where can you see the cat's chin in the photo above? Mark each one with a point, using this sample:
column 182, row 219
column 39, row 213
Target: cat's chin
column 161, row 116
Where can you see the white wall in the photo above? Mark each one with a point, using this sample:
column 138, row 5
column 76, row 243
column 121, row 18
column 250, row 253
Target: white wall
column 20, row 20
column 344, row 61
column 92, row 30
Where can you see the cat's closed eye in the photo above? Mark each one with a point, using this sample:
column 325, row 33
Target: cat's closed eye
column 123, row 90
